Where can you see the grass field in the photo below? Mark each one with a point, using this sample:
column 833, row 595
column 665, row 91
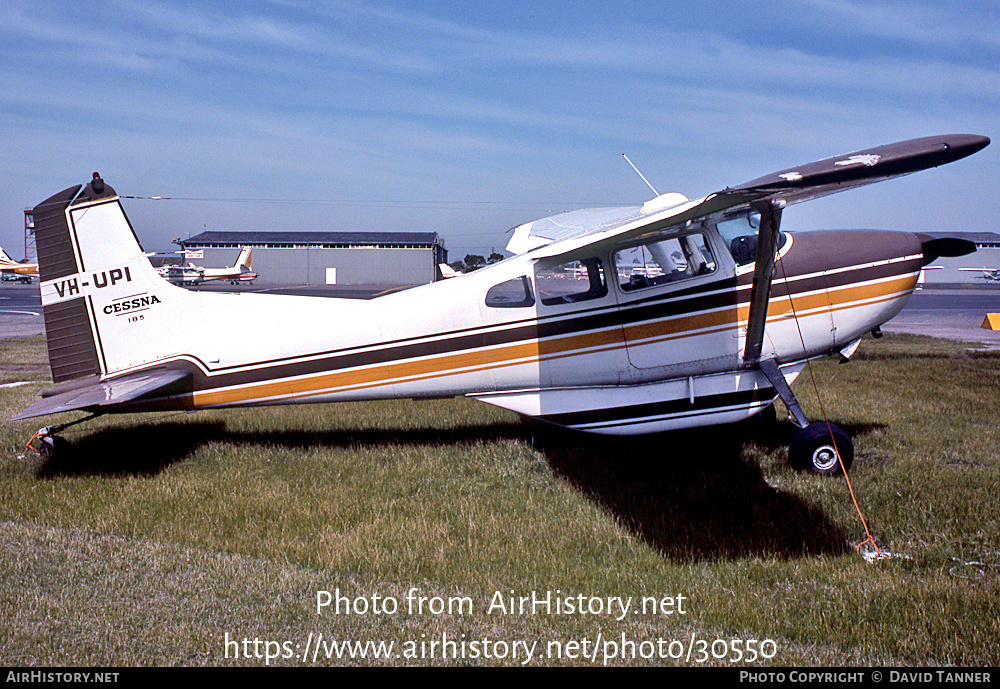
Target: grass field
column 207, row 539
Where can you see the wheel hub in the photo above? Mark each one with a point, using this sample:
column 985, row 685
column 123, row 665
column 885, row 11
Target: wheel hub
column 825, row 457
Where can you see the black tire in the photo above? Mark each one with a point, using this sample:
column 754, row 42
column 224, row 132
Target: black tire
column 814, row 449
column 51, row 447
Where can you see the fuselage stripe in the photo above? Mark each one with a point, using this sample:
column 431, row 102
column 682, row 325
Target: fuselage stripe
column 532, row 346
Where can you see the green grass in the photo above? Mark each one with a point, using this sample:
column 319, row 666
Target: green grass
column 162, row 534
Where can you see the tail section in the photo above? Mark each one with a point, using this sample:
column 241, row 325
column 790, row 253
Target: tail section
column 244, row 259
column 99, row 292
column 4, row 258
column 447, row 271
column 69, row 326
column 121, row 338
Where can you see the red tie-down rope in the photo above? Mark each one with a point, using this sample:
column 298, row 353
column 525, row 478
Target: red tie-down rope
column 870, row 539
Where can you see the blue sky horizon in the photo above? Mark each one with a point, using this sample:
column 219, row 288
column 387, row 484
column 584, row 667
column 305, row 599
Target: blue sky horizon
column 467, row 119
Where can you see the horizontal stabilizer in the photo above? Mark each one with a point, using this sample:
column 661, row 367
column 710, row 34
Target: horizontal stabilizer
column 133, row 387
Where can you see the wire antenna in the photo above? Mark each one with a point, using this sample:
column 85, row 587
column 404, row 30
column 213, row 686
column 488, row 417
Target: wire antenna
column 641, row 175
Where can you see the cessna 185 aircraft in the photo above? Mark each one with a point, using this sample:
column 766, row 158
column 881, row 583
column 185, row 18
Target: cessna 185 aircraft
column 24, row 271
column 721, row 315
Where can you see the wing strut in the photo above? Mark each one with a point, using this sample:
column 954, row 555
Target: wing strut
column 760, row 296
column 760, row 293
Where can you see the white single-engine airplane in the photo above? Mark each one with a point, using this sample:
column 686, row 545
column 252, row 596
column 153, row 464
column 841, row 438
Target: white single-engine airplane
column 190, row 274
column 988, row 274
column 720, row 319
column 24, row 271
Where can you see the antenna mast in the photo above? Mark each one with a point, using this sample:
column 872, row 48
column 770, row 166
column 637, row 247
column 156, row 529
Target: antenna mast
column 641, row 175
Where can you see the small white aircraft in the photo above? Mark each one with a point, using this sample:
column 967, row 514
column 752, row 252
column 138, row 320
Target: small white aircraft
column 190, row 274
column 988, row 274
column 23, row 271
column 715, row 337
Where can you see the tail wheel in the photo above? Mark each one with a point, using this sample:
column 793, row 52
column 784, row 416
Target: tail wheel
column 51, row 447
column 815, row 448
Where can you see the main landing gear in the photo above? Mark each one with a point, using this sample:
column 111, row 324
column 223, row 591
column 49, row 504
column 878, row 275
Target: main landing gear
column 820, row 447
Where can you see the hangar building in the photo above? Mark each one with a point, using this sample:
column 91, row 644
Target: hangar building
column 327, row 258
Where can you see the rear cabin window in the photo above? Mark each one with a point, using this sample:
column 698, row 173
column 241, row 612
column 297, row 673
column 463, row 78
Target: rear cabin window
column 665, row 261
column 515, row 293
column 568, row 283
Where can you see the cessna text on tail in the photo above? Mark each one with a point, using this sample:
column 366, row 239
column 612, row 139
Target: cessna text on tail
column 674, row 314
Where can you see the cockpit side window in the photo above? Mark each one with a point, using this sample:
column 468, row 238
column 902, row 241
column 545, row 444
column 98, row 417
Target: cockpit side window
column 568, row 283
column 740, row 235
column 510, row 294
column 664, row 261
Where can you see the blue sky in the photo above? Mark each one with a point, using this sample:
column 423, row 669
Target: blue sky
column 468, row 118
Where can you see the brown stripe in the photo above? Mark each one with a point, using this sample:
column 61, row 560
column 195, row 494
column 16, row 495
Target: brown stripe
column 538, row 351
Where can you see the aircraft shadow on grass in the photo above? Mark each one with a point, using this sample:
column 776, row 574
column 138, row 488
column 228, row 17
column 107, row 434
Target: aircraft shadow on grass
column 690, row 495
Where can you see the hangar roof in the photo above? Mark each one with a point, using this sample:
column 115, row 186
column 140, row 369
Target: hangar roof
column 289, row 239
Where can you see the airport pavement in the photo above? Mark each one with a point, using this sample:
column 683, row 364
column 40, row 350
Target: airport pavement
column 952, row 314
column 20, row 310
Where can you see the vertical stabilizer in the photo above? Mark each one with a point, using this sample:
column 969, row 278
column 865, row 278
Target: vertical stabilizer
column 97, row 285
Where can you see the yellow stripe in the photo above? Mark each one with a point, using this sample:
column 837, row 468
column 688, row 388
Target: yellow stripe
column 546, row 350
column 778, row 309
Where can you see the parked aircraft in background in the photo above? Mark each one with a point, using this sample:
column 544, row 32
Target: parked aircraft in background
column 716, row 333
column 23, row 271
column 190, row 274
column 988, row 274
column 447, row 271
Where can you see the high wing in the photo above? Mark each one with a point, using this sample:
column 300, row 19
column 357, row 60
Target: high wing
column 566, row 232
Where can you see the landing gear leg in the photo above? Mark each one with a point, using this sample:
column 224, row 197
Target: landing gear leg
column 820, row 447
